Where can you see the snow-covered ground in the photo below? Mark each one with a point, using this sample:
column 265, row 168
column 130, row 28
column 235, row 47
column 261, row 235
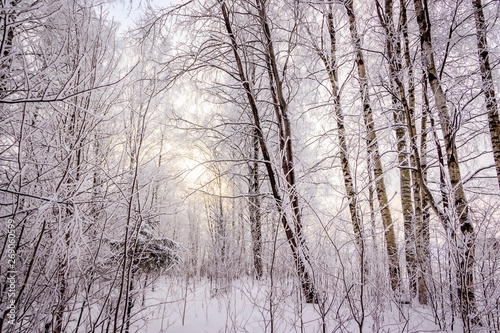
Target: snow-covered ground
column 244, row 305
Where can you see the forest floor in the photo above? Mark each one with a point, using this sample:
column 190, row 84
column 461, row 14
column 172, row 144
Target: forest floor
column 201, row 306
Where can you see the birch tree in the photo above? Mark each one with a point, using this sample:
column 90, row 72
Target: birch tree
column 460, row 223
column 488, row 82
column 255, row 206
column 400, row 107
column 373, row 151
column 329, row 59
column 294, row 233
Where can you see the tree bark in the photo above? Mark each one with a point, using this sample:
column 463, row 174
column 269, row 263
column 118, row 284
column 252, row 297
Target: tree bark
column 423, row 236
column 254, row 207
column 488, row 86
column 329, row 60
column 460, row 208
column 373, row 150
column 296, row 242
column 400, row 107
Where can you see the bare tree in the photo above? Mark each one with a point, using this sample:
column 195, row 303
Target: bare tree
column 329, row 59
column 51, row 74
column 401, row 108
column 461, row 214
column 255, row 207
column 488, row 85
column 294, row 233
column 373, row 150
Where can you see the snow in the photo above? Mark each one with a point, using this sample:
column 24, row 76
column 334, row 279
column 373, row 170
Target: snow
column 243, row 306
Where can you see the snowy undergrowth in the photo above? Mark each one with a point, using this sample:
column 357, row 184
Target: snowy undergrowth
column 243, row 305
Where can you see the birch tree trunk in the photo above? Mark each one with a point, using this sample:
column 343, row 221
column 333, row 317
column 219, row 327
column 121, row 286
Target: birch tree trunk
column 286, row 148
column 296, row 242
column 488, row 86
column 329, row 59
column 418, row 163
column 422, row 211
column 373, row 150
column 254, row 207
column 466, row 239
column 401, row 107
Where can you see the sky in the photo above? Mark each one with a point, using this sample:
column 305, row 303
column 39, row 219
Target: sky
column 125, row 12
column 128, row 11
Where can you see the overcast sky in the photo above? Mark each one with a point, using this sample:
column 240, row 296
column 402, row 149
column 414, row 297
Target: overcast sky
column 126, row 12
